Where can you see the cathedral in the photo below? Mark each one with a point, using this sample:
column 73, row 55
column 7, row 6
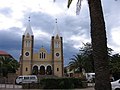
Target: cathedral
column 41, row 62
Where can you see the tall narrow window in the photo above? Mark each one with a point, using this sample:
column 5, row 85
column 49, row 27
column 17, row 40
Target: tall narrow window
column 57, row 69
column 44, row 55
column 40, row 55
column 56, row 44
column 27, row 43
column 26, row 69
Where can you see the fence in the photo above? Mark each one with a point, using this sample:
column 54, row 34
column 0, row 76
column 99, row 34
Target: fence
column 9, row 82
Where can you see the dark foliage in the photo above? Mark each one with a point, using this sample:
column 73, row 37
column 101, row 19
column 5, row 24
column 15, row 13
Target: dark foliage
column 57, row 83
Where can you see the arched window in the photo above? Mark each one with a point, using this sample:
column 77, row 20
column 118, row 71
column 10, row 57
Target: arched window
column 49, row 70
column 44, row 55
column 26, row 69
column 40, row 55
column 57, row 69
column 42, row 70
column 27, row 43
column 56, row 44
column 35, row 70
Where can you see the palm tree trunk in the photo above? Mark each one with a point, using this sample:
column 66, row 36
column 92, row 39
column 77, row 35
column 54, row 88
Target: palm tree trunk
column 99, row 44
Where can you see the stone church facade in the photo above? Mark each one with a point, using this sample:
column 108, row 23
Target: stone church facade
column 41, row 62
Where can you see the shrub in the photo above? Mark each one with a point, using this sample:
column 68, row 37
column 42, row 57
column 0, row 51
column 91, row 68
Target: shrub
column 56, row 83
column 61, row 83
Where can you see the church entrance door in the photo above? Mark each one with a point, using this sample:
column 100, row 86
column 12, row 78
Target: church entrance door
column 35, row 70
column 42, row 70
column 49, row 70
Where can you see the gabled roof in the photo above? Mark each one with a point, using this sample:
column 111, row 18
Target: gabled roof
column 42, row 49
column 3, row 53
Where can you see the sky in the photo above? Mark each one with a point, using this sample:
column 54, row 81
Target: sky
column 75, row 29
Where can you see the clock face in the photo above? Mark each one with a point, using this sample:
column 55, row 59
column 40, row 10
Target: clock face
column 57, row 54
column 26, row 53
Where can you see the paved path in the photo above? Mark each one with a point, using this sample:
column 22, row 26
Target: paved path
column 10, row 86
column 89, row 88
column 44, row 89
column 19, row 87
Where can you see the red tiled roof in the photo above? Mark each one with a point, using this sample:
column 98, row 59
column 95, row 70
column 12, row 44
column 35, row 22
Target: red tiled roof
column 3, row 53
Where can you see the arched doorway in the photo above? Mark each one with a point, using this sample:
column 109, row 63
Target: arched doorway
column 35, row 70
column 42, row 70
column 49, row 70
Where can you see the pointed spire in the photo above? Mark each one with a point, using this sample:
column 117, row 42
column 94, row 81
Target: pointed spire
column 28, row 29
column 56, row 31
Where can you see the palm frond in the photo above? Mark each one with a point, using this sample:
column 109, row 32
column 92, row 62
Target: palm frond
column 69, row 2
column 54, row 0
column 78, row 7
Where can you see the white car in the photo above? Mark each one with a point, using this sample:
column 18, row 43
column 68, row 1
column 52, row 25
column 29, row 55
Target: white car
column 90, row 77
column 26, row 79
column 116, row 85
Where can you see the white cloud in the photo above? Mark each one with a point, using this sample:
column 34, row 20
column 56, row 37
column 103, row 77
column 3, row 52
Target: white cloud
column 74, row 29
column 6, row 22
column 78, row 41
column 39, row 34
column 116, row 38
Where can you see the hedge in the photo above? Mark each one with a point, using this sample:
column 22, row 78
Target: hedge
column 56, row 83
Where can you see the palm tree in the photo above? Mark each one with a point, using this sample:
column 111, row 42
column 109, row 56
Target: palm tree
column 99, row 44
column 76, row 63
column 8, row 65
column 87, row 52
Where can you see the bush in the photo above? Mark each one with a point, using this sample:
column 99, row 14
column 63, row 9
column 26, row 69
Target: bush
column 61, row 83
column 31, row 86
column 56, row 83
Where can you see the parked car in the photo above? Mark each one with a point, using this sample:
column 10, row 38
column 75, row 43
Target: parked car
column 90, row 77
column 26, row 79
column 115, row 85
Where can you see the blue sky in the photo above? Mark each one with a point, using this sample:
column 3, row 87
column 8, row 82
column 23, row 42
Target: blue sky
column 74, row 29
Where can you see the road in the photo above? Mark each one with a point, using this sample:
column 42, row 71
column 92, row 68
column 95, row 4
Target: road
column 19, row 87
column 89, row 88
column 43, row 89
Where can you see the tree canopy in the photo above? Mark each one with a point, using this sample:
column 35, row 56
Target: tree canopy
column 8, row 65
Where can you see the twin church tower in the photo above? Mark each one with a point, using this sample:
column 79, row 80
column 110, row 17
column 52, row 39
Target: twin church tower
column 41, row 62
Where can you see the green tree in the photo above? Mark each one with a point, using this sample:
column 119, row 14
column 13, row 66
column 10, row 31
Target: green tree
column 76, row 63
column 115, row 65
column 87, row 52
column 8, row 65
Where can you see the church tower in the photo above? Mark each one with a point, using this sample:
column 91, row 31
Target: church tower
column 27, row 50
column 57, row 53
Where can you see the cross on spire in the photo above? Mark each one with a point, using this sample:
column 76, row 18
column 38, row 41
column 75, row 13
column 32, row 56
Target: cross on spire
column 29, row 18
column 56, row 31
column 56, row 20
column 28, row 29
